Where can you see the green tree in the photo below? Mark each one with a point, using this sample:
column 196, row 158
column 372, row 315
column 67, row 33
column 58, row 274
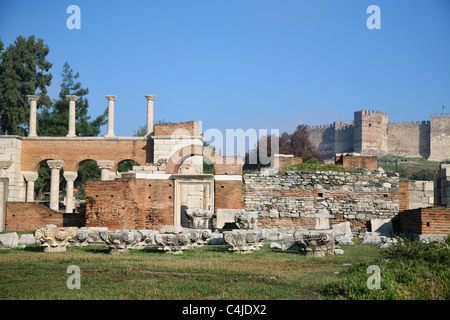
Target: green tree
column 142, row 130
column 24, row 70
column 53, row 121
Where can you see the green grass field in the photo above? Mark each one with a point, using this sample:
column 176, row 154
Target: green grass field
column 210, row 272
column 214, row 273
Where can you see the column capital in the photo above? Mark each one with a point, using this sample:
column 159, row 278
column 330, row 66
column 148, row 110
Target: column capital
column 105, row 164
column 33, row 97
column 30, row 175
column 150, row 97
column 55, row 164
column 72, row 97
column 109, row 97
column 70, row 175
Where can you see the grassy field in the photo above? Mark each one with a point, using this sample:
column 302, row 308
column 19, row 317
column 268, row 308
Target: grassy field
column 211, row 272
column 409, row 271
column 409, row 168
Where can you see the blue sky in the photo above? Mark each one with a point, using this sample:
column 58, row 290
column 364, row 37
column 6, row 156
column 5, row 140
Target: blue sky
column 246, row 63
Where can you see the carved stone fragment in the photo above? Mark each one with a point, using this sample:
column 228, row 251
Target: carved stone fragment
column 55, row 239
column 199, row 219
column 121, row 240
column 244, row 241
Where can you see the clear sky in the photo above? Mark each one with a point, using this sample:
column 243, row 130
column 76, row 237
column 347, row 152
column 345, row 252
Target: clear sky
column 246, row 63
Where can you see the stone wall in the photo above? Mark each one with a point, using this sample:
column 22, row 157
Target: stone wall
column 11, row 150
column 440, row 137
column 409, row 139
column 296, row 199
column 442, row 185
column 421, row 194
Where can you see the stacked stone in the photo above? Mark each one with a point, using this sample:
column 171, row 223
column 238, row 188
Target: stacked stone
column 348, row 196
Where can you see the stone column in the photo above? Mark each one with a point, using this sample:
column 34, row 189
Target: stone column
column 105, row 167
column 30, row 177
column 150, row 99
column 70, row 178
column 111, row 100
column 55, row 165
column 33, row 107
column 72, row 99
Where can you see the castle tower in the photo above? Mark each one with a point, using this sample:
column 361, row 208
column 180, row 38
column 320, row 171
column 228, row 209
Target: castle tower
column 370, row 132
column 439, row 137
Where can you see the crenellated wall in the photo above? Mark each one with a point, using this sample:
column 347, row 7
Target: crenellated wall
column 371, row 134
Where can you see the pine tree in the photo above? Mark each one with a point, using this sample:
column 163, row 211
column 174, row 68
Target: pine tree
column 53, row 121
column 23, row 71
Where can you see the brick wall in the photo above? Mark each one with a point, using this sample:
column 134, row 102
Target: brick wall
column 426, row 221
column 228, row 195
column 23, row 216
column 129, row 203
column 191, row 128
column 350, row 161
column 73, row 152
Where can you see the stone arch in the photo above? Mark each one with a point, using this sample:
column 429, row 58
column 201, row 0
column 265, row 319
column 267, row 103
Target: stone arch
column 117, row 163
column 222, row 165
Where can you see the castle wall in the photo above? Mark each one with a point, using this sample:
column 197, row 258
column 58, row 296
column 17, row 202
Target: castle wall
column 370, row 133
column 440, row 137
column 343, row 137
column 322, row 138
column 409, row 139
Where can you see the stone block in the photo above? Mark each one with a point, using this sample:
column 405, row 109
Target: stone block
column 382, row 227
column 10, row 240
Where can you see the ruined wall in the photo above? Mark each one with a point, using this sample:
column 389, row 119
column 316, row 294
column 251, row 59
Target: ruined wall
column 295, row 199
column 440, row 137
column 426, row 221
column 352, row 161
column 24, row 216
column 442, row 185
column 129, row 203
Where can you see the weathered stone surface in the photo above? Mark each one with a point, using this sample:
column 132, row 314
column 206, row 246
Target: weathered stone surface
column 345, row 230
column 244, row 241
column 382, row 227
column 88, row 236
column 246, row 220
column 315, row 243
column 10, row 240
column 198, row 236
column 199, row 219
column 121, row 241
column 27, row 239
column 173, row 242
column 55, row 239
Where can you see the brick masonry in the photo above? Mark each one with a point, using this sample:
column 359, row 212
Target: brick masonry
column 23, row 216
column 129, row 203
column 426, row 221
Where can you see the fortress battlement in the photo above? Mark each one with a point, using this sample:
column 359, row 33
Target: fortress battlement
column 411, row 124
column 372, row 112
column 438, row 116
